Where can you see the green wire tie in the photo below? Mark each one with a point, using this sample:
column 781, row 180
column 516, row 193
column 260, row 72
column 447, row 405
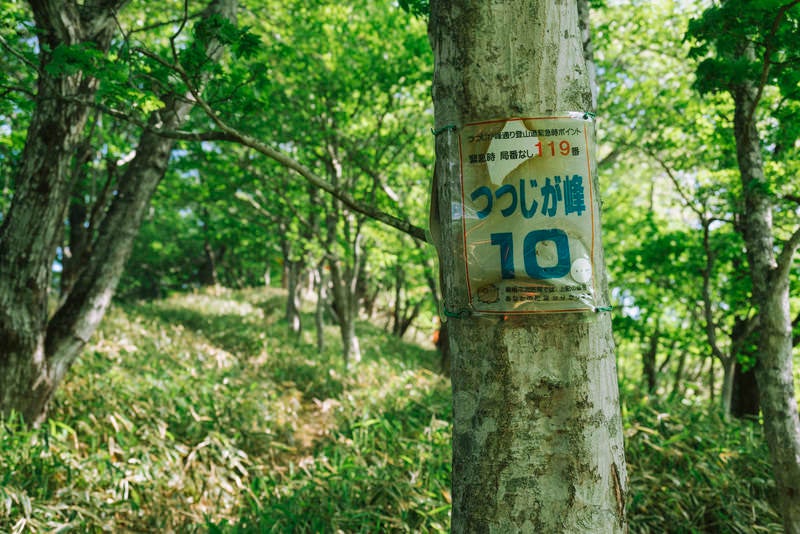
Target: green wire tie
column 466, row 313
column 589, row 115
column 444, row 129
column 458, row 315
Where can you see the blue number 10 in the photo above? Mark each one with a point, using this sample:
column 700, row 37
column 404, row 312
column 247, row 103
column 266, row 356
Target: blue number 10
column 505, row 241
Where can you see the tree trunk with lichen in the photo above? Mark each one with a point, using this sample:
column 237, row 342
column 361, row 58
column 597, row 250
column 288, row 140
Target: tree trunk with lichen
column 770, row 295
column 537, row 431
column 37, row 345
column 33, row 225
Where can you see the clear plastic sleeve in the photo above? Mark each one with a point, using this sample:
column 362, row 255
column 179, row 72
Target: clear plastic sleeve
column 526, row 211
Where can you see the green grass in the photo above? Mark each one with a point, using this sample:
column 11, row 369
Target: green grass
column 198, row 413
column 691, row 471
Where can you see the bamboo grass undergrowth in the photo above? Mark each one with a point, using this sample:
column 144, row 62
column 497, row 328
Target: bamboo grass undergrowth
column 199, row 413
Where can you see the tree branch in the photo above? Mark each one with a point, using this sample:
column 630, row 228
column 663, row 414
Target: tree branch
column 248, row 198
column 768, row 48
column 748, row 326
column 17, row 54
column 786, row 257
column 792, row 198
column 231, row 135
column 97, row 21
column 6, row 89
column 290, row 163
column 674, row 179
column 181, row 26
column 228, row 133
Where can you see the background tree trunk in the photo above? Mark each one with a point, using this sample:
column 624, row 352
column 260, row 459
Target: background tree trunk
column 345, row 268
column 346, row 308
column 649, row 357
column 537, row 432
column 744, row 397
column 322, row 299
column 292, row 269
column 744, row 387
column 770, row 295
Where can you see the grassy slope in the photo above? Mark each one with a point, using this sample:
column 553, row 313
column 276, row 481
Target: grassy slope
column 199, row 413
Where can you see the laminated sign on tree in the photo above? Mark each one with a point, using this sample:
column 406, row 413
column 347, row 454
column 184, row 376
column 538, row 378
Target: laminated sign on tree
column 528, row 215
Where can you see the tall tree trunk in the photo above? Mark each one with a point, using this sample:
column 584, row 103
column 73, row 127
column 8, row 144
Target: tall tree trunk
column 405, row 312
column 73, row 252
column 207, row 274
column 398, row 313
column 322, row 299
column 291, row 282
column 770, row 294
column 678, row 378
column 36, row 353
column 346, row 307
column 537, row 432
column 345, row 268
column 649, row 368
column 712, row 376
column 34, row 222
column 293, row 297
column 726, row 392
column 744, row 393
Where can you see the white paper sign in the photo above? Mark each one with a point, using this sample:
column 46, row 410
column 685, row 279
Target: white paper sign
column 527, row 214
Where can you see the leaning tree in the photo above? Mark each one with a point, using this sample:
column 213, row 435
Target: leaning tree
column 79, row 54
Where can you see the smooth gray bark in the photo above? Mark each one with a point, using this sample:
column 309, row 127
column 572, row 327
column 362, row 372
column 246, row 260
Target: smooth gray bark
column 537, row 431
